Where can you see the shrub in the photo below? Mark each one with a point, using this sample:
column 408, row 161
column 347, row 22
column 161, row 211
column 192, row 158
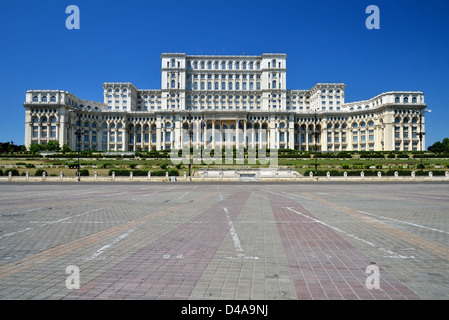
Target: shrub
column 378, row 166
column 39, row 172
column 1, row 172
column 84, row 172
column 345, row 166
column 163, row 166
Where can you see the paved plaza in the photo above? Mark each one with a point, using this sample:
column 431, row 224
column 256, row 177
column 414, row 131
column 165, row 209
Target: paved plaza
column 224, row 241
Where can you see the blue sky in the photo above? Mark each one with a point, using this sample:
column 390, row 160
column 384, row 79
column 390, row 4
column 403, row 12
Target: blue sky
column 325, row 41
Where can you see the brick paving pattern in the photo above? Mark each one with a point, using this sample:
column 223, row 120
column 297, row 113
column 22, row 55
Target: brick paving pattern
column 224, row 241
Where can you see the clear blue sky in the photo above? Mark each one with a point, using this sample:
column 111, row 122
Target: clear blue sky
column 325, row 41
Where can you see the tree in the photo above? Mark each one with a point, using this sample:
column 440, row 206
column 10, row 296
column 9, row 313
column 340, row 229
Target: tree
column 66, row 148
column 52, row 145
column 440, row 147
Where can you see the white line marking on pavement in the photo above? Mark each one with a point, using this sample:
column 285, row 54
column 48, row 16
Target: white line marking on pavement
column 391, row 253
column 183, row 195
column 235, row 238
column 48, row 223
column 400, row 221
column 110, row 244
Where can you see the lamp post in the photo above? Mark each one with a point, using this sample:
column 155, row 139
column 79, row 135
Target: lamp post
column 78, row 135
column 316, row 139
column 190, row 130
column 421, row 134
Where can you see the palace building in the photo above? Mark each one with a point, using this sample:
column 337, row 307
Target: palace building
column 211, row 100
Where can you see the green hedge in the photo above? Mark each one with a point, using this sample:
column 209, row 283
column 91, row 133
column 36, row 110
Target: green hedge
column 142, row 173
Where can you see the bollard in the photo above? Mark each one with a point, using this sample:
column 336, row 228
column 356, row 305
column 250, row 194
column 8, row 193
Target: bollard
column 149, row 175
column 345, row 174
column 311, row 174
column 43, row 175
column 379, row 174
column 95, row 175
column 131, row 175
column 413, row 174
column 9, row 175
column 396, row 174
column 185, row 175
column 166, row 174
column 113, row 175
column 61, row 175
column 221, row 175
column 362, row 174
column 446, row 174
column 430, row 174
column 328, row 174
column 27, row 174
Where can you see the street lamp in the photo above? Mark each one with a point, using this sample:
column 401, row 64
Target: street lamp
column 316, row 139
column 190, row 130
column 421, row 134
column 78, row 135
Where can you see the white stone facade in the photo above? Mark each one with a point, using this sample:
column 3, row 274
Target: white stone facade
column 214, row 95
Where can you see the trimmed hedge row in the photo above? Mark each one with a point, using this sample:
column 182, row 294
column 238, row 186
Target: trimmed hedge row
column 372, row 173
column 143, row 173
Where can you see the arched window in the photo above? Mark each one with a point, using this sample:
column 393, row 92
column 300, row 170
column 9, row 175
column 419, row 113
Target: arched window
column 35, row 99
column 223, row 86
column 405, row 120
column 216, row 65
column 258, row 85
column 244, row 65
column 273, row 85
column 258, row 65
column 371, row 124
column 251, row 86
column 354, row 125
column 195, row 65
column 397, row 100
column 173, row 84
column 414, row 100
column 251, row 65
column 86, row 124
column 230, row 65
column 244, row 86
column 209, row 65
column 397, row 120
column 173, row 63
column 44, row 119
column 195, row 86
column 406, row 100
column 273, row 63
column 53, row 120
column 202, row 86
column 202, row 64
column 223, row 65
column 189, row 85
column 216, row 85
column 230, row 85
column 53, row 99
column 237, row 65
column 237, row 86
column 209, row 86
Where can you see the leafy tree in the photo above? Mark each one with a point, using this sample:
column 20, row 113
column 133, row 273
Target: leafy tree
column 440, row 147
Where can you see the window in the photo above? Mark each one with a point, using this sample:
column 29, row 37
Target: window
column 209, row 86
column 223, row 65
column 251, row 86
column 223, row 86
column 35, row 99
column 237, row 86
column 173, row 84
column 230, row 85
column 195, row 86
column 397, row 100
column 53, row 99
column 405, row 100
column 273, row 84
